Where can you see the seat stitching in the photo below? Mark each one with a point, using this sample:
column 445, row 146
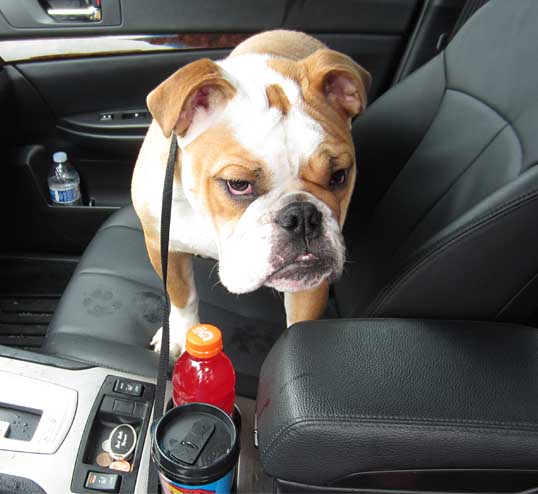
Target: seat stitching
column 108, row 227
column 431, row 420
column 445, row 68
column 96, row 338
column 93, row 362
column 431, row 253
column 89, row 271
column 437, row 248
column 512, row 299
column 414, row 150
column 450, row 187
column 270, row 449
column 483, row 102
column 493, row 109
column 420, row 320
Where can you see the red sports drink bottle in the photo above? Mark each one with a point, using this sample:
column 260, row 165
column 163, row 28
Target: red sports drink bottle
column 204, row 372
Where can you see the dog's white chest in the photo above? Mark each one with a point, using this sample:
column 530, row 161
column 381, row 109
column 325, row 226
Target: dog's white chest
column 190, row 232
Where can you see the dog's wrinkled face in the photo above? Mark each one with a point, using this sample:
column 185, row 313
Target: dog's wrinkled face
column 267, row 156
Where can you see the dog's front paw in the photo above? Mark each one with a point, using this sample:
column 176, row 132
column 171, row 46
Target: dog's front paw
column 181, row 320
column 177, row 342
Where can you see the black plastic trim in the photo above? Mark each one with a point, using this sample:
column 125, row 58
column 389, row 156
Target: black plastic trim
column 425, row 482
column 109, row 122
column 43, row 359
column 29, row 14
column 128, row 479
column 45, row 225
column 173, row 16
column 436, row 18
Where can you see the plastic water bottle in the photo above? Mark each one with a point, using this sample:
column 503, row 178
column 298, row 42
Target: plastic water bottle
column 204, row 373
column 64, row 182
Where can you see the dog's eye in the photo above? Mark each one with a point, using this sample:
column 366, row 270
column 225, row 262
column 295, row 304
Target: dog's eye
column 239, row 187
column 338, row 178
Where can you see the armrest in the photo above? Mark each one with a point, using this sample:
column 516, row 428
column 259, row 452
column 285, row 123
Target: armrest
column 342, row 397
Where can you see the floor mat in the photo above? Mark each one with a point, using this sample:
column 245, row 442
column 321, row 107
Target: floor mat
column 30, row 289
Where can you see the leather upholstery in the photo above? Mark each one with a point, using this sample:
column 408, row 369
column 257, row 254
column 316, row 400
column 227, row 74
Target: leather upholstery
column 442, row 223
column 113, row 306
column 340, row 397
column 443, row 218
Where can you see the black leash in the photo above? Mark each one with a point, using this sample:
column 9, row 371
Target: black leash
column 162, row 376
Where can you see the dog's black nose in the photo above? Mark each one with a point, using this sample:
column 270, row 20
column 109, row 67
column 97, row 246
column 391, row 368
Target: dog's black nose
column 301, row 219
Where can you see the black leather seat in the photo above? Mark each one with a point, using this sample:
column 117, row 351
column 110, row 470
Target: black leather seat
column 444, row 216
column 443, row 222
column 113, row 306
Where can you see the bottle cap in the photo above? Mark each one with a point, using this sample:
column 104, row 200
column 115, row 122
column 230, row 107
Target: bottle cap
column 59, row 157
column 204, row 341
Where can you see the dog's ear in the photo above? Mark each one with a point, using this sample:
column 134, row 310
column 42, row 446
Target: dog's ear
column 199, row 87
column 341, row 81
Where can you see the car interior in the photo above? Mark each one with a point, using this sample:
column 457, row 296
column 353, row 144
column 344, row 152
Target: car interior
column 422, row 375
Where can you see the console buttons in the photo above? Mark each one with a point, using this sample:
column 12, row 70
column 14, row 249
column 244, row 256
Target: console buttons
column 105, row 482
column 123, row 406
column 128, row 388
column 134, row 114
column 140, row 410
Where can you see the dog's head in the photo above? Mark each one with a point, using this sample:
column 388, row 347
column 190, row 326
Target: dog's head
column 267, row 156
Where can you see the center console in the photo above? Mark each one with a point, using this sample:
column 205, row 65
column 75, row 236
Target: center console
column 54, row 424
column 59, row 419
column 357, row 406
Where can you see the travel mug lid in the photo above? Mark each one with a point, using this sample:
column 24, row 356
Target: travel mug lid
column 195, row 444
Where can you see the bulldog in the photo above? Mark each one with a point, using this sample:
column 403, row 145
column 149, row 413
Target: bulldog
column 264, row 175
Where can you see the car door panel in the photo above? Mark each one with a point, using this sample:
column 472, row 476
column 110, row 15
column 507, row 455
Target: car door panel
column 86, row 96
column 80, row 91
column 23, row 18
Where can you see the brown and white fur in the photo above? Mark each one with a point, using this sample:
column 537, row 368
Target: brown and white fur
column 259, row 132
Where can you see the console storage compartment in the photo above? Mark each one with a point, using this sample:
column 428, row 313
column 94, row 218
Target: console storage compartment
column 119, row 402
column 403, row 405
column 55, row 416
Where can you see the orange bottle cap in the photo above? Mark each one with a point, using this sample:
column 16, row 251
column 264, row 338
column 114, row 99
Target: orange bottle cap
column 204, row 341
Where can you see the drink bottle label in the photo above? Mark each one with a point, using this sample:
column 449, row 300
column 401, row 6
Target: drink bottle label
column 65, row 195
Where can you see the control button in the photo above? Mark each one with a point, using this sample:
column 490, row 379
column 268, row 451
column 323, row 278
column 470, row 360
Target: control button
column 128, row 388
column 105, row 482
column 140, row 410
column 123, row 406
column 134, row 114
